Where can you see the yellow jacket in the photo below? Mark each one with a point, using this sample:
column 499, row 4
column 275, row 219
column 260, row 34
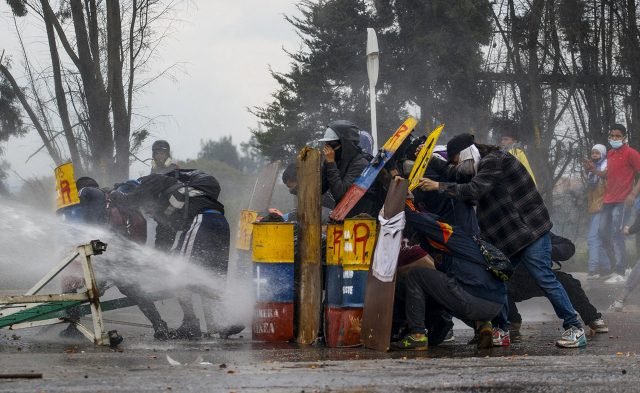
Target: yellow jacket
column 519, row 154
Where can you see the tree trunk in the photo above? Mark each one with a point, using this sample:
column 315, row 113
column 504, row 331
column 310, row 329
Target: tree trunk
column 61, row 98
column 121, row 126
column 96, row 97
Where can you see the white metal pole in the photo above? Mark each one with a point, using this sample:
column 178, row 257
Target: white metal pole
column 373, row 64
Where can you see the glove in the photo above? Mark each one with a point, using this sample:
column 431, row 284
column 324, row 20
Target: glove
column 118, row 198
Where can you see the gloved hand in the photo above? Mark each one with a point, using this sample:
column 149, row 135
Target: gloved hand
column 118, row 198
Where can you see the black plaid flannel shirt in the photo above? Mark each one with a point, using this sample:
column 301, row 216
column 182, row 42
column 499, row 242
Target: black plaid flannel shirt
column 511, row 212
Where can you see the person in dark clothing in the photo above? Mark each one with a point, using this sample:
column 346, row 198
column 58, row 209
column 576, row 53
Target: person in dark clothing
column 459, row 283
column 344, row 162
column 187, row 202
column 95, row 208
column 90, row 210
column 131, row 224
column 512, row 216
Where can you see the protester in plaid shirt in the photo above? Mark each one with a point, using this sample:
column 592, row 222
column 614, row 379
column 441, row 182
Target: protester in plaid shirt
column 512, row 216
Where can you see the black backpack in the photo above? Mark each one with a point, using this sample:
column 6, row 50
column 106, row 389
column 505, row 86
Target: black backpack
column 199, row 180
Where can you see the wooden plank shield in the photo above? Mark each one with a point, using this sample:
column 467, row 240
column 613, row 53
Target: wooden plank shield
column 379, row 295
column 263, row 189
column 310, row 243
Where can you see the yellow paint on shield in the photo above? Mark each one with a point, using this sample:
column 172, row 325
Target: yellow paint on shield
column 393, row 143
column 359, row 241
column 66, row 190
column 420, row 166
column 245, row 229
column 273, row 242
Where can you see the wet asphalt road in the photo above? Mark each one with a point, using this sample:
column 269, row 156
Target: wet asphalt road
column 532, row 363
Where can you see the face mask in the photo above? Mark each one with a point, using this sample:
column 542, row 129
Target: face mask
column 616, row 144
column 466, row 168
column 407, row 166
column 294, row 190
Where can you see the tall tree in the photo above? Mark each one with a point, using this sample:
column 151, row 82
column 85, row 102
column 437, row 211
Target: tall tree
column 221, row 150
column 430, row 58
column 104, row 45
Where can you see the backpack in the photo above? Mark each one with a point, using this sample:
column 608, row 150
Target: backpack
column 562, row 249
column 199, row 180
column 497, row 263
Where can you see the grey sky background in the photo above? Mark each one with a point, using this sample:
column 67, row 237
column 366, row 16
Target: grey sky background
column 225, row 49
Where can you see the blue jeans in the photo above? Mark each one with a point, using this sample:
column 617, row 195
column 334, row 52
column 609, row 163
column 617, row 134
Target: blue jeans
column 536, row 258
column 598, row 258
column 614, row 216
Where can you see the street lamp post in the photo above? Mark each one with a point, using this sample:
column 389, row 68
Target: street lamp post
column 373, row 66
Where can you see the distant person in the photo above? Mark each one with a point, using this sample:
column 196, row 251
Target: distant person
column 510, row 143
column 162, row 164
column 344, row 162
column 623, row 164
column 596, row 170
column 161, row 154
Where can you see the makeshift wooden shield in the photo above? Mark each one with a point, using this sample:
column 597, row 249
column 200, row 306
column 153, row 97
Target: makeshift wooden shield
column 379, row 295
column 309, row 241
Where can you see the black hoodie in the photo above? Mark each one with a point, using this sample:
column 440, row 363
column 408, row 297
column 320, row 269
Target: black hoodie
column 338, row 176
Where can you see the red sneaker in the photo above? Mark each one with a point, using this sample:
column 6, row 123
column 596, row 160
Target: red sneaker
column 501, row 338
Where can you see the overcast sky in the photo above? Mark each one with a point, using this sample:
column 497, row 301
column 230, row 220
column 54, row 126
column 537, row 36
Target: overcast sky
column 226, row 48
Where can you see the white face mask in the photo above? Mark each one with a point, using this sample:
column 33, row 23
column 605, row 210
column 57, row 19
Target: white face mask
column 616, row 144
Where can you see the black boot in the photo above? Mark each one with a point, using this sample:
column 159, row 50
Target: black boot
column 163, row 333
column 189, row 329
column 230, row 330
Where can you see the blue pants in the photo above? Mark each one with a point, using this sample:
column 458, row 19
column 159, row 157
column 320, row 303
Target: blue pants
column 598, row 258
column 614, row 216
column 536, row 258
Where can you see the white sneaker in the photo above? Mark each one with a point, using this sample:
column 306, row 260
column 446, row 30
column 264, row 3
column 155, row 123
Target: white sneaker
column 572, row 338
column 615, row 279
column 616, row 306
column 594, row 276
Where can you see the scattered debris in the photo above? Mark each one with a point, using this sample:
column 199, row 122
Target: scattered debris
column 21, row 376
column 173, row 362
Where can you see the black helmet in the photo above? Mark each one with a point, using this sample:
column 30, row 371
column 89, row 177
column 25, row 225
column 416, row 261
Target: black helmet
column 86, row 181
column 160, row 145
